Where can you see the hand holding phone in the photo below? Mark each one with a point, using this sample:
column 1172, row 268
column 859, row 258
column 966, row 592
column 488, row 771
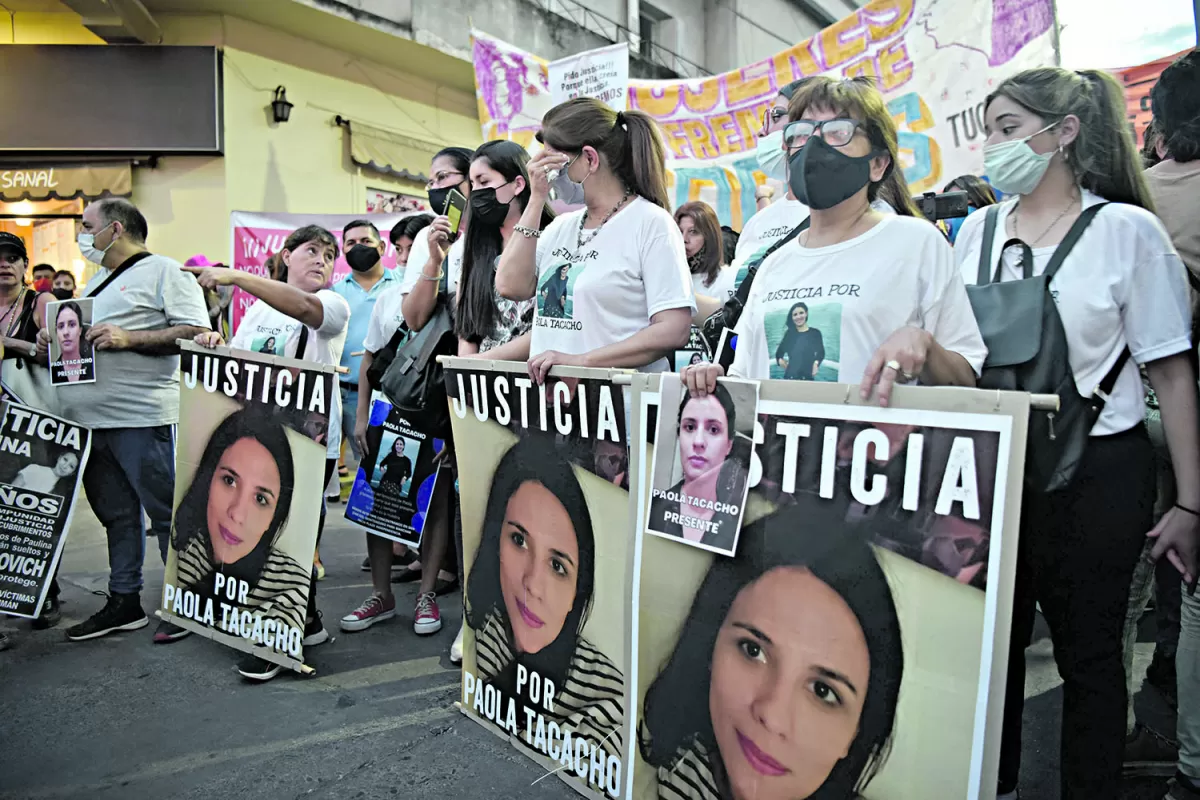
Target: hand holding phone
column 456, row 206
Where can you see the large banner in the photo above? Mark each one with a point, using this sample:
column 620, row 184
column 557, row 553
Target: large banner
column 546, row 541
column 249, row 473
column 935, row 61
column 256, row 237
column 857, row 638
column 41, row 468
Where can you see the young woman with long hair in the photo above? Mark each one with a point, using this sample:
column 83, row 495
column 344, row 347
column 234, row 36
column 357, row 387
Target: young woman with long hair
column 712, row 279
column 627, row 298
column 1059, row 141
column 887, row 283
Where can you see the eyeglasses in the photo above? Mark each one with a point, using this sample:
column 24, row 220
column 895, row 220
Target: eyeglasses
column 773, row 115
column 437, row 180
column 836, row 132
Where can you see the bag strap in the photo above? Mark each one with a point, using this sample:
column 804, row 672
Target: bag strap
column 743, row 291
column 1068, row 243
column 990, row 221
column 112, row 276
column 302, row 342
column 1103, row 390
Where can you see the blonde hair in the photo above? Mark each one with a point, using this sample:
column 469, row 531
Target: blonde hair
column 859, row 98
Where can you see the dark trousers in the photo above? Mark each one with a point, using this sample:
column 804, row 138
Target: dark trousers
column 1078, row 548
column 330, row 467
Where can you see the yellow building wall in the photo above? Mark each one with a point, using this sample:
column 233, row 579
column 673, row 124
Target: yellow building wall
column 296, row 167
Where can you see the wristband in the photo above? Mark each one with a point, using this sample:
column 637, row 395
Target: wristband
column 437, row 277
column 1193, row 512
column 528, row 233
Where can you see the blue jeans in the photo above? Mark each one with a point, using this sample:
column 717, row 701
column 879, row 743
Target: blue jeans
column 349, row 413
column 131, row 469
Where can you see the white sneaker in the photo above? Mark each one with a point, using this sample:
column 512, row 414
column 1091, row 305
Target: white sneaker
column 456, row 648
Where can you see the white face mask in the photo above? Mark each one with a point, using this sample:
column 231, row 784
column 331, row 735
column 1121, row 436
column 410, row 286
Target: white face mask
column 1013, row 167
column 87, row 246
column 566, row 190
column 771, row 158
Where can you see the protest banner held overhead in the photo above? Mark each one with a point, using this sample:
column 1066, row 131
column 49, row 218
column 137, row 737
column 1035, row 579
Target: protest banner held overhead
column 248, row 481
column 602, row 73
column 258, row 236
column 546, row 540
column 880, row 540
column 934, row 60
column 396, row 476
column 42, row 458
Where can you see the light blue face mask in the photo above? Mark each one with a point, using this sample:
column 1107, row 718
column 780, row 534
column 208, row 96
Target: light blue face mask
column 772, row 160
column 566, row 190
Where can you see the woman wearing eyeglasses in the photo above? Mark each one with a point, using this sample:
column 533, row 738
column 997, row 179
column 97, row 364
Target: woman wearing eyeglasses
column 882, row 289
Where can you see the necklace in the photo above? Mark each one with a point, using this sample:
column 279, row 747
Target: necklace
column 8, row 314
column 1042, row 235
column 580, row 242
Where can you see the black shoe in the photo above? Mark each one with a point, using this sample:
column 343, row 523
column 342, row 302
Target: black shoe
column 1148, row 754
column 253, row 668
column 168, row 632
column 1161, row 675
column 366, row 565
column 51, row 615
column 122, row 612
column 315, row 633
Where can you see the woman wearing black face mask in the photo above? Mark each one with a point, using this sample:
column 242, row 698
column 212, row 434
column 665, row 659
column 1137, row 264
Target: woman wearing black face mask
column 486, row 322
column 886, row 283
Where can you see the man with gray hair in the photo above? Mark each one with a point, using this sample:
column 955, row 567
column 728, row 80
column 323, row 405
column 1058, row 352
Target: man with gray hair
column 142, row 303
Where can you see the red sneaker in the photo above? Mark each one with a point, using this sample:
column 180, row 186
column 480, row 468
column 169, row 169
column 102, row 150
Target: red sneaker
column 373, row 610
column 427, row 618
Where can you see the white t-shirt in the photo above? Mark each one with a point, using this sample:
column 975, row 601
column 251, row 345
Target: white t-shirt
column 721, row 287
column 386, row 318
column 1122, row 285
column 36, row 478
column 767, row 227
column 858, row 293
column 632, row 269
column 265, row 330
column 418, row 257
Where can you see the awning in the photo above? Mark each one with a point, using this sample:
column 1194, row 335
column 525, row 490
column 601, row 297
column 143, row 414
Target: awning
column 65, row 182
column 388, row 152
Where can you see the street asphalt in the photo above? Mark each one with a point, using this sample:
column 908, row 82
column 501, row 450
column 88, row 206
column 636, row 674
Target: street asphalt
column 121, row 718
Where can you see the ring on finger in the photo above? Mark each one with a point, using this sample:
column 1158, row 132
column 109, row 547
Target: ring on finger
column 893, row 364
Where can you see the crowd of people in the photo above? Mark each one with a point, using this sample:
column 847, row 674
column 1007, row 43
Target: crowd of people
column 635, row 277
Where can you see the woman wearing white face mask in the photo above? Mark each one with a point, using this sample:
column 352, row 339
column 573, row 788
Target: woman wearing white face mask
column 1059, row 141
column 625, row 299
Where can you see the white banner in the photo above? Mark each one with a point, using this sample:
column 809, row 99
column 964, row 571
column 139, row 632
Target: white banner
column 602, row 73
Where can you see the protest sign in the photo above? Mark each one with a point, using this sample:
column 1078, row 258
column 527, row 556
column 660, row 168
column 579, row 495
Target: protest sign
column 72, row 359
column 602, row 73
column 396, row 476
column 702, row 463
column 258, row 236
column 546, row 539
column 41, row 468
column 881, row 542
column 249, row 475
column 934, row 60
column 696, row 351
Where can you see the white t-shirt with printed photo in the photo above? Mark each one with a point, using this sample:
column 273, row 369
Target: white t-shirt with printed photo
column 607, row 291
column 849, row 298
column 265, row 330
column 767, row 227
column 1122, row 285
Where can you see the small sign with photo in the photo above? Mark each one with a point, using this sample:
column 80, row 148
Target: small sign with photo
column 72, row 359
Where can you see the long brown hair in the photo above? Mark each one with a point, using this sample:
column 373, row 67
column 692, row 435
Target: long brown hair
column 1103, row 156
column 706, row 222
column 860, row 99
column 628, row 140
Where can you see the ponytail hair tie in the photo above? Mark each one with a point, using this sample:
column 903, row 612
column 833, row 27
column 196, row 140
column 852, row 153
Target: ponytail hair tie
column 620, row 119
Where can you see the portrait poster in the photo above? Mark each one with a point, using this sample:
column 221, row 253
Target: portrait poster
column 876, row 558
column 72, row 359
column 696, row 352
column 547, row 534
column 249, row 472
column 41, row 468
column 396, row 476
column 701, row 467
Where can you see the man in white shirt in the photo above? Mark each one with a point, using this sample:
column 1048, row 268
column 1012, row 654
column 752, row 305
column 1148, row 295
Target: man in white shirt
column 143, row 303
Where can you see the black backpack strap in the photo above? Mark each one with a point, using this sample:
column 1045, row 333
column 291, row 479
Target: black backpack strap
column 302, row 342
column 112, row 276
column 990, row 221
column 1068, row 243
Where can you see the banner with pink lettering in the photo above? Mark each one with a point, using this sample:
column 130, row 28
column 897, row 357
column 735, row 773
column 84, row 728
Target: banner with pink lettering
column 258, row 236
column 935, row 61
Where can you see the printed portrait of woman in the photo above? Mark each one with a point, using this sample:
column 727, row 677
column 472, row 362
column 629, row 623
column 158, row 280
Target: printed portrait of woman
column 802, row 349
column 784, row 682
column 396, row 468
column 268, row 346
column 711, row 478
column 58, row 479
column 73, row 346
column 530, row 590
column 554, row 293
column 230, row 519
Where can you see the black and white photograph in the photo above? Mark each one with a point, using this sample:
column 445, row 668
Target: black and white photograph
column 702, row 451
column 72, row 359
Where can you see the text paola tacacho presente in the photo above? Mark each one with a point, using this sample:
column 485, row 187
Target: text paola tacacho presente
column 590, row 763
column 249, row 625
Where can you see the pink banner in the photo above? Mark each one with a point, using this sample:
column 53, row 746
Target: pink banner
column 256, row 237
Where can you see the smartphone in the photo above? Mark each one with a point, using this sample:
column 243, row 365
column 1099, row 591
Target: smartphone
column 456, row 206
column 949, row 205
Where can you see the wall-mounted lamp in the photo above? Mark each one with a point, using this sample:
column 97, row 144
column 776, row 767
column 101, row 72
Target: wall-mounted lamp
column 280, row 106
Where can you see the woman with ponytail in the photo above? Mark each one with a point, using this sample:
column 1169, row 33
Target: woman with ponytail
column 628, row 293
column 1058, row 141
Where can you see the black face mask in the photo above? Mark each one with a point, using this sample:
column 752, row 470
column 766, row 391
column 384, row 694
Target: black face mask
column 486, row 208
column 821, row 176
column 362, row 257
column 437, row 199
